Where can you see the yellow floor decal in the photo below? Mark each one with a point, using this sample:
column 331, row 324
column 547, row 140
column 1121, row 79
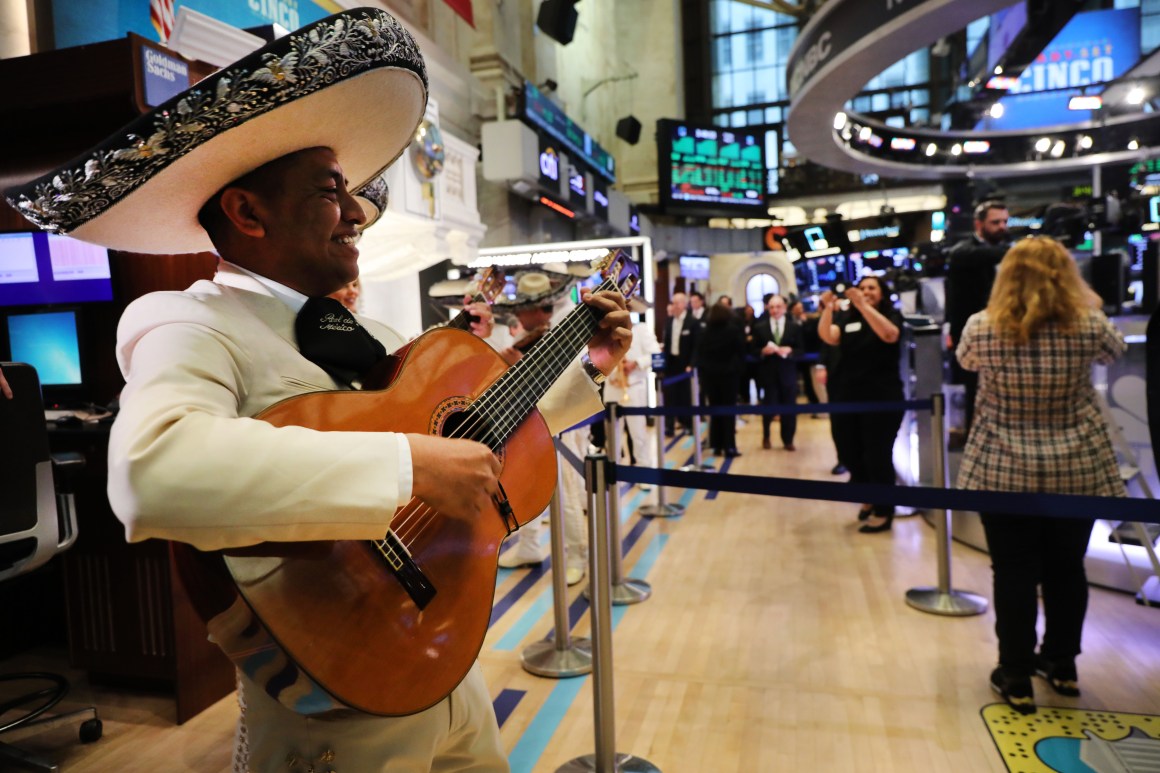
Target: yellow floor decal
column 1056, row 740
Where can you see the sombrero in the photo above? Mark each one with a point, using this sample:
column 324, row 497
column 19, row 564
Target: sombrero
column 541, row 286
column 354, row 82
column 373, row 198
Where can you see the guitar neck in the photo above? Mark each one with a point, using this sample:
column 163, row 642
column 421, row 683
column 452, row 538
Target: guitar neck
column 463, row 319
column 510, row 399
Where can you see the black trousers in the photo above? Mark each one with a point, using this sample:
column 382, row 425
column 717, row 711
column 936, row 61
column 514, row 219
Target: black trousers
column 679, row 395
column 1027, row 552
column 780, row 389
column 865, row 443
column 721, row 389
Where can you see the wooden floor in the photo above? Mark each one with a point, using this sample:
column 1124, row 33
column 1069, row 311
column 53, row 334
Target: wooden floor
column 776, row 639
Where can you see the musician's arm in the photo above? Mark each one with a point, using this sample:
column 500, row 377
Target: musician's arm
column 185, row 465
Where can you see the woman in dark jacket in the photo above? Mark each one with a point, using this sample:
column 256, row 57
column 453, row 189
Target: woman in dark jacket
column 866, row 335
column 720, row 360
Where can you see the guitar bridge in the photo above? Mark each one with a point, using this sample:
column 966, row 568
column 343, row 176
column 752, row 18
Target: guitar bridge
column 406, row 571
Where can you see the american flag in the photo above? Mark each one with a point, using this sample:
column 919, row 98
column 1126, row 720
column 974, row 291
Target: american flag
column 161, row 14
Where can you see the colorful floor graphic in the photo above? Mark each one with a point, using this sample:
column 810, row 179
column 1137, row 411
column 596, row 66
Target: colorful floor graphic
column 1056, row 740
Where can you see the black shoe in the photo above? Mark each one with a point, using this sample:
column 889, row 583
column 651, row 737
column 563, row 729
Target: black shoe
column 732, row 453
column 1015, row 688
column 865, row 513
column 884, row 526
column 1059, row 674
column 765, row 444
column 839, row 469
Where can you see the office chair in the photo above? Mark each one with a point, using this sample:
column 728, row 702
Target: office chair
column 37, row 521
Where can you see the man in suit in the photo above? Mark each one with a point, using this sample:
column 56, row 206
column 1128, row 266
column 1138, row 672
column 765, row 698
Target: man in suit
column 776, row 339
column 970, row 273
column 187, row 462
column 680, row 339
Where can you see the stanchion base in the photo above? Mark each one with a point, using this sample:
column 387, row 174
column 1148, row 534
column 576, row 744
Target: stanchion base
column 627, row 592
column 625, row 763
column 954, row 603
column 661, row 511
column 543, row 659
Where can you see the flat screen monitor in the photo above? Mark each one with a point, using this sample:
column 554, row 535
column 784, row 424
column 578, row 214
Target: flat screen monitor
column 49, row 341
column 710, row 170
column 40, row 268
column 815, row 275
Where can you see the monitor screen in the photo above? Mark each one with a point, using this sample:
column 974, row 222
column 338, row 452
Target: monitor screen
column 42, row 268
column 815, row 275
column 48, row 341
column 709, row 169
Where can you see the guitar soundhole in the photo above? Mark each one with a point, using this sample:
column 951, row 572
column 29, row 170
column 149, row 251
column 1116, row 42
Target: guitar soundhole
column 471, row 426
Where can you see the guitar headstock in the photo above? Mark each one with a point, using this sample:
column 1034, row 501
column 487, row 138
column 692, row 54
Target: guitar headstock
column 491, row 283
column 619, row 269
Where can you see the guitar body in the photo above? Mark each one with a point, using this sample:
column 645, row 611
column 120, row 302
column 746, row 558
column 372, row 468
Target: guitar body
column 337, row 608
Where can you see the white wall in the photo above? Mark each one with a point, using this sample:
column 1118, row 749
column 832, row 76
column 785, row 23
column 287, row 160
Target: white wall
column 394, row 302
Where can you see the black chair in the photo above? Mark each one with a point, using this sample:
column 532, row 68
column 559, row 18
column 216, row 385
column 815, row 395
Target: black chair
column 37, row 521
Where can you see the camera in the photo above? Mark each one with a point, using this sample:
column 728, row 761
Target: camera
column 839, row 289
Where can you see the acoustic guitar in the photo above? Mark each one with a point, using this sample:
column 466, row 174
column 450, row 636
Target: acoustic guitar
column 390, row 627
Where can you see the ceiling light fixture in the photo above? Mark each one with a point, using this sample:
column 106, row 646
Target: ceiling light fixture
column 1135, row 96
column 1084, row 142
column 1042, row 144
column 1133, row 144
column 997, row 110
column 1089, row 102
column 931, row 149
column 1058, row 148
column 839, row 121
column 956, row 149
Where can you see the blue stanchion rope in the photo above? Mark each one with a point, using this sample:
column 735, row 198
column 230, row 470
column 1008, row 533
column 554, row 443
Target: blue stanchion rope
column 922, row 497
column 774, row 410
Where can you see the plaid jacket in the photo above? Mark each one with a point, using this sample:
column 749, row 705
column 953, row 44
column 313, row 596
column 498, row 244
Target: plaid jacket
column 1037, row 426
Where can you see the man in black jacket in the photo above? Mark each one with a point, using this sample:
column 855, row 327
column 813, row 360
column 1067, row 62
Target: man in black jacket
column 970, row 273
column 776, row 341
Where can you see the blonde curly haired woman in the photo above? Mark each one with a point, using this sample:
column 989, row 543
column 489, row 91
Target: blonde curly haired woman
column 1038, row 428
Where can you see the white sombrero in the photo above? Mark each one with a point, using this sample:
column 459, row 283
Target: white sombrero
column 354, row 82
column 542, row 286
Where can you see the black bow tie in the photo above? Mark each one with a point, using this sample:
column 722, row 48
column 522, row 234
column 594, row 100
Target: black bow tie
column 329, row 336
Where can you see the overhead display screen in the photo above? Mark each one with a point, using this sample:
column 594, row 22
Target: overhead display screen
column 1093, row 48
column 540, row 112
column 709, row 169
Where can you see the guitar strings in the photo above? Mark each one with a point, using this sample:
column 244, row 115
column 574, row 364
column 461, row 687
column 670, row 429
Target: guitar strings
column 414, row 520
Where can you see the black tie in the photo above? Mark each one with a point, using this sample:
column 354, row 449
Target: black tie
column 329, row 336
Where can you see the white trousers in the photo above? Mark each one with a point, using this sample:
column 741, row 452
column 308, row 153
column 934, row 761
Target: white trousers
column 457, row 735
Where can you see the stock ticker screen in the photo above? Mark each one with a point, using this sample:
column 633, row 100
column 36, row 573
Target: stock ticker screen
column 711, row 168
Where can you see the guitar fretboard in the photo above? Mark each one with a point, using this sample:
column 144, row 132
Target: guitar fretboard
column 513, row 396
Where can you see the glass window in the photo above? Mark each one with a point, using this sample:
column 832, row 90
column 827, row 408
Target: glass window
column 773, row 115
column 737, row 119
column 758, row 286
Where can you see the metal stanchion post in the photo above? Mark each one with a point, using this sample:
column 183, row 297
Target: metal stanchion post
column 605, row 760
column 624, row 590
column 662, row 509
column 563, row 655
column 698, row 460
column 943, row 600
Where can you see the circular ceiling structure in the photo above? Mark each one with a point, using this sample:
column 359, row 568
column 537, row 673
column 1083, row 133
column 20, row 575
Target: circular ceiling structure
column 849, row 41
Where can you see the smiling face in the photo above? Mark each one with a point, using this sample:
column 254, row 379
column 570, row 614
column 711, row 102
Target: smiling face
column 871, row 289
column 308, row 222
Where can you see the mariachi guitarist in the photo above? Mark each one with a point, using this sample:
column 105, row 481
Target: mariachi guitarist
column 258, row 162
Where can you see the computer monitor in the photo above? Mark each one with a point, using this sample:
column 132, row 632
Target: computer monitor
column 49, row 340
column 42, row 268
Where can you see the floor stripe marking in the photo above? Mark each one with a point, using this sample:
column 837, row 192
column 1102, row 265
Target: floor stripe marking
column 505, row 703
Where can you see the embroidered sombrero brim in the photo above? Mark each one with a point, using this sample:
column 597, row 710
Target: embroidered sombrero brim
column 354, row 82
column 373, row 198
column 558, row 286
